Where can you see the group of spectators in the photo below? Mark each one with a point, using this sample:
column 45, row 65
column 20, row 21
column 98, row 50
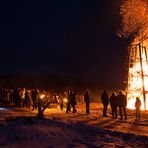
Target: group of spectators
column 22, row 97
column 118, row 102
column 25, row 98
column 72, row 101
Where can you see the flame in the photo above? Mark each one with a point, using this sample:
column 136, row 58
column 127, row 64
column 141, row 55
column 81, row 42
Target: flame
column 135, row 24
column 58, row 106
column 65, row 100
column 42, row 96
column 135, row 84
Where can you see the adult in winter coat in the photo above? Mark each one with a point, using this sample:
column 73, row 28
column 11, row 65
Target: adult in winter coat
column 113, row 104
column 61, row 101
column 35, row 97
column 71, row 102
column 87, row 101
column 122, row 105
column 105, row 102
column 68, row 107
column 27, row 99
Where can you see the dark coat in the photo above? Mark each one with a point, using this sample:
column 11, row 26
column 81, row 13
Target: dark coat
column 34, row 95
column 104, row 99
column 72, row 99
column 122, row 100
column 113, row 101
column 86, row 99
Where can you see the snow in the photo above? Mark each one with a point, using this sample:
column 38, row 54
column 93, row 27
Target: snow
column 20, row 128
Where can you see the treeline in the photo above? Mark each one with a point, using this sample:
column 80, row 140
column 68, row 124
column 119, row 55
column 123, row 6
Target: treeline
column 43, row 81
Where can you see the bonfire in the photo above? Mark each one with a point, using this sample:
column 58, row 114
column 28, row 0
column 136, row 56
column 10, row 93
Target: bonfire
column 135, row 27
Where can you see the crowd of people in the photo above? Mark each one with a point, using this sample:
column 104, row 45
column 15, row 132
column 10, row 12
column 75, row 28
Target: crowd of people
column 27, row 98
column 20, row 97
column 118, row 102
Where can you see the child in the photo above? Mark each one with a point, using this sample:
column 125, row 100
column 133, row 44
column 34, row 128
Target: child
column 137, row 106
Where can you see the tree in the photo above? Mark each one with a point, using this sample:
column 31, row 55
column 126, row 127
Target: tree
column 134, row 15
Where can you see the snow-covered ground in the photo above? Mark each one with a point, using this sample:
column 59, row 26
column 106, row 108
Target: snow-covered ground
column 21, row 128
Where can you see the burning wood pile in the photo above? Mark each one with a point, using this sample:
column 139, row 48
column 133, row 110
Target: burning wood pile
column 135, row 26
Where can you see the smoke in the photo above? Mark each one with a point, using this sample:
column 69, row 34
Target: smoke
column 134, row 22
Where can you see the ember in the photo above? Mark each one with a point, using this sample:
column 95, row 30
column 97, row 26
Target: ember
column 135, row 26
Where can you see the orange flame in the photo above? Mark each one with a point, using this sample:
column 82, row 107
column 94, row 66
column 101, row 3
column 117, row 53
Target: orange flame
column 135, row 85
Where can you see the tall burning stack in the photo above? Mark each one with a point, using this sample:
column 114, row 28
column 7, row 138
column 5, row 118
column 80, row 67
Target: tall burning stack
column 135, row 26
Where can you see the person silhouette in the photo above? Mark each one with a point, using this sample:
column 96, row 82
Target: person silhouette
column 122, row 105
column 113, row 104
column 87, row 101
column 105, row 102
column 137, row 106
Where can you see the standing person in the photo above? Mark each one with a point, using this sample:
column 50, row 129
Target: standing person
column 35, row 97
column 87, row 101
column 113, row 104
column 68, row 102
column 16, row 97
column 137, row 106
column 6, row 97
column 105, row 102
column 61, row 101
column 122, row 105
column 22, row 97
column 27, row 99
column 73, row 101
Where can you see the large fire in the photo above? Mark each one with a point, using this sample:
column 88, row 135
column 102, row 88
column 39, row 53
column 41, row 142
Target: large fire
column 134, row 26
column 135, row 82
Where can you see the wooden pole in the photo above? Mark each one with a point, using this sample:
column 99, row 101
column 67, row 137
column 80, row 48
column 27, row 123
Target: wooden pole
column 128, row 61
column 142, row 76
column 145, row 54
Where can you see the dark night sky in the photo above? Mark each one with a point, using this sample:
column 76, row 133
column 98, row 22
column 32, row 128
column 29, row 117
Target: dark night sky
column 72, row 38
